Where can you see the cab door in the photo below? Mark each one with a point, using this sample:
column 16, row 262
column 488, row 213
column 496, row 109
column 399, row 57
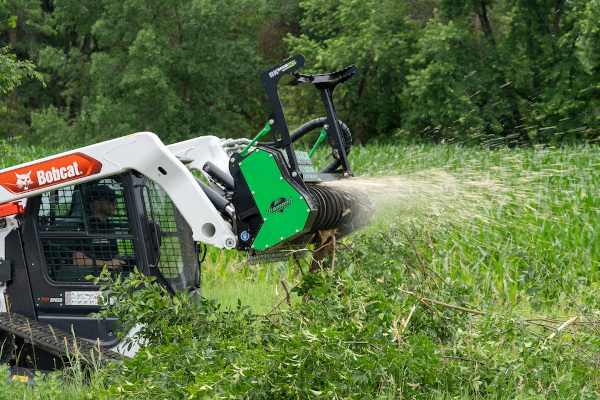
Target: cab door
column 59, row 231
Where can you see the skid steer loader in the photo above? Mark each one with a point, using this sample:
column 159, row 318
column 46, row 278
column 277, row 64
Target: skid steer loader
column 134, row 202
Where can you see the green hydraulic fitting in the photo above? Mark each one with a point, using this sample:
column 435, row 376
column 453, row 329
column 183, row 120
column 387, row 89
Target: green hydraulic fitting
column 262, row 133
column 319, row 140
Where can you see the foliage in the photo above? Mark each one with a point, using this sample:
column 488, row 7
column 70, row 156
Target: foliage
column 480, row 72
column 114, row 68
column 12, row 71
column 46, row 122
column 6, row 150
column 336, row 34
column 177, row 69
column 359, row 336
column 305, row 352
column 588, row 53
column 13, row 152
column 69, row 384
column 472, row 72
column 441, row 79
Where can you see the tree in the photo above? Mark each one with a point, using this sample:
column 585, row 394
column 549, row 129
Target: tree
column 12, row 71
column 442, row 96
column 588, row 51
column 282, row 18
column 481, row 71
column 377, row 37
column 13, row 68
column 66, row 59
column 180, row 69
column 12, row 14
column 560, row 94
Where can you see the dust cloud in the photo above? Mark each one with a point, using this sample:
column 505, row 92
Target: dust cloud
column 433, row 196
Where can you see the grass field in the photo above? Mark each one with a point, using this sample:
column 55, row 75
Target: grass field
column 504, row 221
column 495, row 251
column 511, row 230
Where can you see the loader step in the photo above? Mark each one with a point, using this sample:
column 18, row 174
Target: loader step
column 54, row 341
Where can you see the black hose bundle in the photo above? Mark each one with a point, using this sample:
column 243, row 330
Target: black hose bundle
column 319, row 123
column 316, row 124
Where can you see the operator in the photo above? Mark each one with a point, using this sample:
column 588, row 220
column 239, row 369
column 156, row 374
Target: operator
column 101, row 204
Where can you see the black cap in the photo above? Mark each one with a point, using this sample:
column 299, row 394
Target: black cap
column 101, row 192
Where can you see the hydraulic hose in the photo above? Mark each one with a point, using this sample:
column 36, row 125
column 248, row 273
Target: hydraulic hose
column 316, row 124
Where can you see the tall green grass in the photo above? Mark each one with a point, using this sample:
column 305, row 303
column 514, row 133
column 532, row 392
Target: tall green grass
column 227, row 278
column 511, row 224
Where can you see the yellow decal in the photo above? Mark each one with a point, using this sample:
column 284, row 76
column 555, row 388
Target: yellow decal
column 20, row 378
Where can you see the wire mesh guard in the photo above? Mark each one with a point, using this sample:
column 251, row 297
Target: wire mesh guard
column 84, row 228
column 178, row 258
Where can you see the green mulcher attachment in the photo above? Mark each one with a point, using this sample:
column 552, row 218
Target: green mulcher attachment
column 281, row 207
column 281, row 202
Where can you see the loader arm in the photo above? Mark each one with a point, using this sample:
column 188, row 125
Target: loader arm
column 199, row 151
column 143, row 152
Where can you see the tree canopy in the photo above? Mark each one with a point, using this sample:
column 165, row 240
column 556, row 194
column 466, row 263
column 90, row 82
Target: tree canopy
column 512, row 72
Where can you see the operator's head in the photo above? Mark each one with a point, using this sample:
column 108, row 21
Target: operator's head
column 102, row 201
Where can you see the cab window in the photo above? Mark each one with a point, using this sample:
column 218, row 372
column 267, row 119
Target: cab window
column 84, row 228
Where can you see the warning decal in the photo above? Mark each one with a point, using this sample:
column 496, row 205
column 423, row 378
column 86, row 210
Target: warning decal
column 82, row 298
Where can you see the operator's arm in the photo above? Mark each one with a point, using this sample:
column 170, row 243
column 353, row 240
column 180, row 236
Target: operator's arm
column 83, row 261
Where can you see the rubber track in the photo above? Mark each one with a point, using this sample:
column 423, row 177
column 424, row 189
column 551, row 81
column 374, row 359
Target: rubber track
column 54, row 341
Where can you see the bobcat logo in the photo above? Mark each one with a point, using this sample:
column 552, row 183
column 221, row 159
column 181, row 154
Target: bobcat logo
column 24, row 180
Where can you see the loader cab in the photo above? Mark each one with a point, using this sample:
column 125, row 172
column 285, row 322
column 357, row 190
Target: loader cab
column 64, row 242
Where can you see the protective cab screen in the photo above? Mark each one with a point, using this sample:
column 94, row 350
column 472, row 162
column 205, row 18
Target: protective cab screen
column 84, row 228
column 177, row 258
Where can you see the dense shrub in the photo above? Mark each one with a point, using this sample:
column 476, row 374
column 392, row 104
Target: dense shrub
column 367, row 328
